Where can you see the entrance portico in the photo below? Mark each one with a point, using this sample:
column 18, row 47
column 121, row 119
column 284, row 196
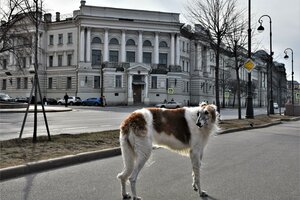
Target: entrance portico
column 138, row 84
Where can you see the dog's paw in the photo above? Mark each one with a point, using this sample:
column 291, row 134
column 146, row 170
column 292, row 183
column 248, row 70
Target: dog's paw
column 203, row 194
column 137, row 198
column 126, row 196
column 195, row 188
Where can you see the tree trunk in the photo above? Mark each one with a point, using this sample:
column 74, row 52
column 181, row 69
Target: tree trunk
column 217, row 74
column 238, row 85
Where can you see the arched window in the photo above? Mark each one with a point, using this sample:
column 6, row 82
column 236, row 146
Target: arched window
column 114, row 41
column 130, row 42
column 96, row 40
column 147, row 43
column 163, row 44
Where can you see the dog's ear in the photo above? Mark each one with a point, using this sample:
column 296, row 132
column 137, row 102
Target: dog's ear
column 203, row 104
column 214, row 106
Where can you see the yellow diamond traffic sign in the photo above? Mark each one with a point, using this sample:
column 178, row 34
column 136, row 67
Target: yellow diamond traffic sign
column 249, row 65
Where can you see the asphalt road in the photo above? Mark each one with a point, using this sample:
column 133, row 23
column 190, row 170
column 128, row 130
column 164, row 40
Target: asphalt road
column 257, row 164
column 81, row 119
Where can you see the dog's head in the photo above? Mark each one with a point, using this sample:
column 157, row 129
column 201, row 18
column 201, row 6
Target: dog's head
column 206, row 115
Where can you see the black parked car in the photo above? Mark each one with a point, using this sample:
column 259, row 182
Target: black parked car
column 51, row 101
column 22, row 99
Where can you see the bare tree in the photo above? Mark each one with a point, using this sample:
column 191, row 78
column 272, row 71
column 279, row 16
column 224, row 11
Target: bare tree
column 16, row 35
column 236, row 41
column 217, row 16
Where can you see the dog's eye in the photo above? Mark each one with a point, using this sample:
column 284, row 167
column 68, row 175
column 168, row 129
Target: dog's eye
column 198, row 113
column 206, row 112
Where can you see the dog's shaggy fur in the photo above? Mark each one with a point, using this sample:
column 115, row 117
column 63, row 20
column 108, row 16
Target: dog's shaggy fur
column 184, row 130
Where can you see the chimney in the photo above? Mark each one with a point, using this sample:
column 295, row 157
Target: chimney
column 82, row 3
column 48, row 17
column 57, row 16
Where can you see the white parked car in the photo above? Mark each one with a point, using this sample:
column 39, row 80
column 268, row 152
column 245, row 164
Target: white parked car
column 170, row 104
column 275, row 105
column 71, row 101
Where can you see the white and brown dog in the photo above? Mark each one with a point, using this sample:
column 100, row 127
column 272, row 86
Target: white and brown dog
column 184, row 130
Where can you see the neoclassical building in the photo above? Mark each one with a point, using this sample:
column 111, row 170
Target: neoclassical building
column 129, row 56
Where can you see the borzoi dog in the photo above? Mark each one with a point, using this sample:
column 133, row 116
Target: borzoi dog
column 184, row 130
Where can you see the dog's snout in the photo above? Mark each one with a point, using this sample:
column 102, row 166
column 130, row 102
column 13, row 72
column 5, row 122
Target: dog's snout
column 199, row 124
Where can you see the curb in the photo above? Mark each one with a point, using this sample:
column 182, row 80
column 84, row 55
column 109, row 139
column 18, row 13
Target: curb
column 31, row 110
column 250, row 128
column 34, row 167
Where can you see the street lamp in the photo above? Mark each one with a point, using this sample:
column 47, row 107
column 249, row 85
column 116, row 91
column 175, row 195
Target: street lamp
column 249, row 108
column 286, row 57
column 261, row 29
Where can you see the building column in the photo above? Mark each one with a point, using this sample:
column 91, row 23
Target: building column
column 172, row 49
column 105, row 58
column 130, row 92
column 177, row 50
column 146, row 99
column 88, row 45
column 140, row 47
column 123, row 49
column 156, row 49
column 81, row 44
column 199, row 57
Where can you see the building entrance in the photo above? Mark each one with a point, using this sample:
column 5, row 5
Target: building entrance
column 137, row 93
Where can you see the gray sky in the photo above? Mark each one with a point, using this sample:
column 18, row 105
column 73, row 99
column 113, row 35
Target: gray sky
column 285, row 21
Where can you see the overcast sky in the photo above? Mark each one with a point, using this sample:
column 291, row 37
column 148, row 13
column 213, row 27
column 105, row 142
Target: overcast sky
column 285, row 21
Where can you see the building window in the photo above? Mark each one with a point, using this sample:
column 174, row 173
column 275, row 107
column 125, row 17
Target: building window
column 51, row 39
column 24, row 62
column 70, row 59
column 60, row 38
column 114, row 41
column 25, row 83
column 187, row 86
column 59, row 60
column 50, row 80
column 96, row 40
column 4, row 84
column 50, row 61
column 96, row 57
column 4, row 64
column 147, row 43
column 147, row 57
column 69, row 82
column 163, row 58
column 96, row 82
column 70, row 38
column 118, row 81
column 154, row 82
column 163, row 44
column 18, row 83
column 114, row 56
column 130, row 56
column 130, row 42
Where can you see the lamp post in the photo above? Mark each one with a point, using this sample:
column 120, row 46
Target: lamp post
column 249, row 109
column 286, row 57
column 261, row 29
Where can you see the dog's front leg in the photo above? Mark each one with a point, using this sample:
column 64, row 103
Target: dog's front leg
column 196, row 164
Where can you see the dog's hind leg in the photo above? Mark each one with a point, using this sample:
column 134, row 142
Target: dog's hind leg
column 128, row 161
column 196, row 157
column 143, row 148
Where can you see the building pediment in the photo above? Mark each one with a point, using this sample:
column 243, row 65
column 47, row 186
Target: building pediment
column 139, row 68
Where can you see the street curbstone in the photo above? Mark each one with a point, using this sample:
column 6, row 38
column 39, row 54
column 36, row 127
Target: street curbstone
column 34, row 167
